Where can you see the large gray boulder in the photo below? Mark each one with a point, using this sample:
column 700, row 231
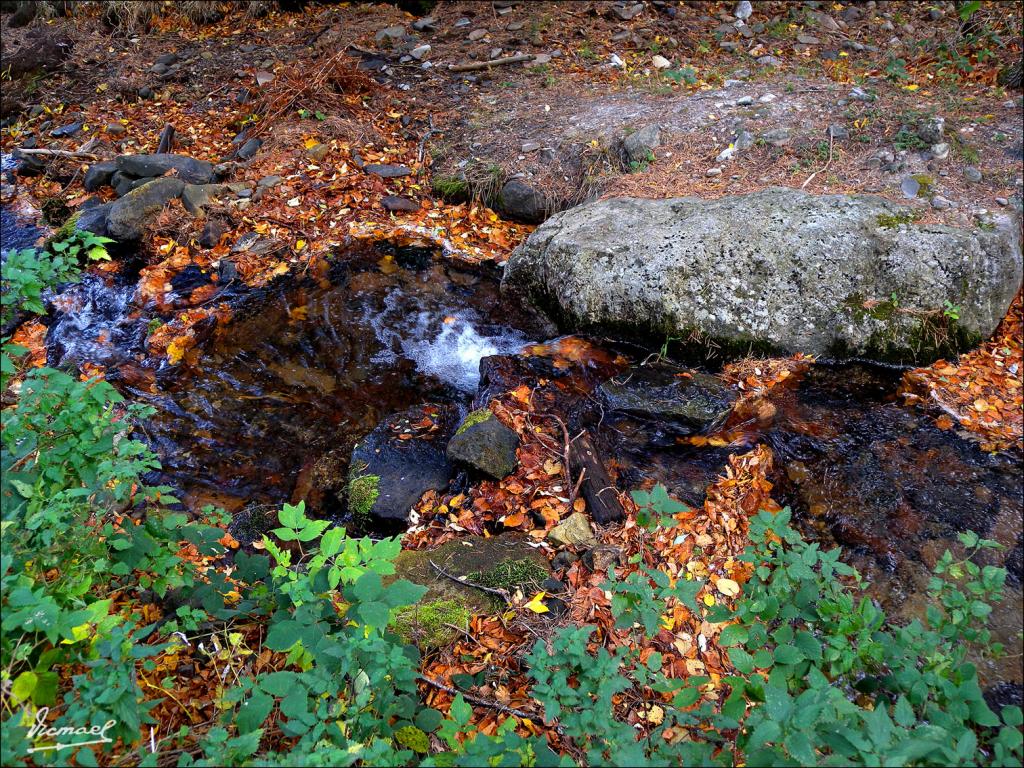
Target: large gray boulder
column 777, row 270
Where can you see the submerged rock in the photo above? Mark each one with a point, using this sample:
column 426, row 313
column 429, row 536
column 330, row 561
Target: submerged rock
column 399, row 461
column 485, row 444
column 696, row 399
column 779, row 270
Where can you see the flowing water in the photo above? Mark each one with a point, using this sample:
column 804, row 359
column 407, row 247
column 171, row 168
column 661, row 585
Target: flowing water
column 280, row 393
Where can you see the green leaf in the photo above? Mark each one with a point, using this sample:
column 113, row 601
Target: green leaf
column 734, row 634
column 368, row 587
column 403, row 592
column 24, row 686
column 460, row 711
column 279, row 683
column 741, row 660
column 788, row 654
column 253, row 712
column 374, row 614
column 428, row 720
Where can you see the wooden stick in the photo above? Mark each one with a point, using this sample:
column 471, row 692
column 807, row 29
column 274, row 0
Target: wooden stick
column 471, row 66
column 497, row 705
column 55, row 153
column 503, row 594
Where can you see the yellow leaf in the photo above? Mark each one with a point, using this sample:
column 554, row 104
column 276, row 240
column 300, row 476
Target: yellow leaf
column 174, row 353
column 536, row 603
column 728, row 587
column 911, row 87
column 667, row 622
column 310, row 143
column 709, row 600
column 300, row 244
column 655, row 715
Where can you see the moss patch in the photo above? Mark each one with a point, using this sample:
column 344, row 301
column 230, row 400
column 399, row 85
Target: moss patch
column 476, row 417
column 511, row 574
column 363, row 491
column 451, row 188
column 432, row 624
column 893, row 220
column 67, row 229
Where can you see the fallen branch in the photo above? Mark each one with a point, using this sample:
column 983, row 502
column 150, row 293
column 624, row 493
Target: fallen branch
column 503, row 594
column 56, row 153
column 471, row 66
column 496, row 705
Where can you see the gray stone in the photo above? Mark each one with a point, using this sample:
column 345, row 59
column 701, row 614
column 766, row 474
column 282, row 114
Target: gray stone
column 712, row 172
column 530, row 146
column 777, row 137
column 196, row 197
column 129, row 215
column 485, row 444
column 211, row 234
column 777, row 270
column 94, row 219
column 627, row 11
column 972, row 174
column 744, row 140
column 728, row 45
column 859, row 94
column 189, row 170
column 743, row 10
column 837, row 131
column 269, row 182
column 744, row 101
column 769, row 61
column 477, row 34
column 518, row 200
column 318, row 152
column 66, row 131
column 639, row 144
column 665, row 393
column 248, row 150
column 574, row 531
column 419, row 51
column 397, row 204
column 940, row 151
column 388, row 171
column 807, row 40
column 115, row 129
column 396, row 32
column 99, row 175
column 388, row 475
column 426, row 24
column 940, row 203
column 932, row 130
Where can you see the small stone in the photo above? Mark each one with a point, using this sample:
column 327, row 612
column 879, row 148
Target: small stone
column 940, row 151
column 540, row 58
column 826, row 22
column 660, row 62
column 515, row 26
column 627, row 11
column 910, row 187
column 1002, row 201
column 859, row 94
column 248, row 150
column 768, row 98
column 725, row 154
column 769, row 61
column 485, row 444
column 477, row 34
column 728, row 45
column 66, row 131
column 397, row 204
column 420, row 51
column 388, row 170
column 837, row 131
column 713, row 172
column 267, row 182
column 600, row 558
column 463, row 22
column 940, row 203
column 115, row 129
column 317, row 152
column 563, row 560
column 530, row 146
column 777, row 137
column 932, row 130
column 639, row 145
column 212, row 233
column 426, row 24
column 396, row 32
column 495, row 53
column 807, row 40
column 972, row 174
column 574, row 531
column 744, row 101
column 743, row 10
column 206, row 55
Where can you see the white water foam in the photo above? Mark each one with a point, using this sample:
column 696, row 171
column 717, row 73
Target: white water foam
column 445, row 345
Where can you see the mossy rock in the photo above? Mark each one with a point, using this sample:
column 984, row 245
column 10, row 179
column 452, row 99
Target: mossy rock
column 431, row 624
column 485, row 444
column 505, row 562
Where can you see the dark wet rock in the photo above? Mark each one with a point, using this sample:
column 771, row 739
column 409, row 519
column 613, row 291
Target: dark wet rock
column 776, row 270
column 66, row 131
column 129, row 214
column 388, row 474
column 388, row 170
column 99, row 175
column 696, row 399
column 485, row 444
column 563, row 560
column 145, row 92
column 189, row 170
column 397, row 204
column 249, row 149
column 600, row 558
column 190, row 278
column 94, row 219
column 519, row 201
column 211, row 233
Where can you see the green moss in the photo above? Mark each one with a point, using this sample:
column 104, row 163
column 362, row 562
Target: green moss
column 363, row 491
column 510, row 574
column 893, row 220
column 431, row 625
column 925, row 184
column 451, row 188
column 67, row 229
column 476, row 417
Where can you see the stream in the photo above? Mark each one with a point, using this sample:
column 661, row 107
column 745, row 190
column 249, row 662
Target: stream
column 303, row 369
